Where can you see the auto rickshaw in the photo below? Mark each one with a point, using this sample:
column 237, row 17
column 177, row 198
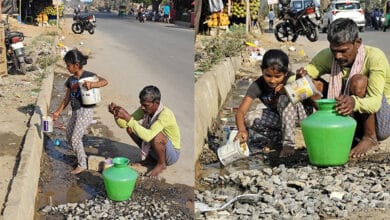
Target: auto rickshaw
column 122, row 10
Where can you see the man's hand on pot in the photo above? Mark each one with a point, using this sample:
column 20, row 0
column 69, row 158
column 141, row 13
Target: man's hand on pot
column 345, row 104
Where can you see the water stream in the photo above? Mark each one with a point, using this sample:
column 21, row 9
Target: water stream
column 57, row 186
column 209, row 163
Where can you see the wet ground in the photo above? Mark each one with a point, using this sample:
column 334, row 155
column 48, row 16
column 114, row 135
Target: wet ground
column 225, row 122
column 57, row 186
column 12, row 146
column 209, row 166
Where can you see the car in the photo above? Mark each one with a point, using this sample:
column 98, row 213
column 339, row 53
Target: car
column 298, row 5
column 343, row 9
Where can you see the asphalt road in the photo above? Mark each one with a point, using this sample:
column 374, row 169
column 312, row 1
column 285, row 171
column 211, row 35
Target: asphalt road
column 370, row 37
column 131, row 55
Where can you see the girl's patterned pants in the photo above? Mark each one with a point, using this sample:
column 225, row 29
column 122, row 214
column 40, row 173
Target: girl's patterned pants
column 77, row 125
column 275, row 127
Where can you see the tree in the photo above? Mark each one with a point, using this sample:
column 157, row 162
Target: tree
column 145, row 2
column 198, row 11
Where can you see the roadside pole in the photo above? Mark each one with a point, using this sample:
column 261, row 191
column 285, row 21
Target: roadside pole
column 58, row 16
column 247, row 20
column 57, row 3
column 198, row 12
column 20, row 11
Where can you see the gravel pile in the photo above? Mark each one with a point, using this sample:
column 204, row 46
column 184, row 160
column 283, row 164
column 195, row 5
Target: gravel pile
column 302, row 192
column 101, row 207
column 151, row 199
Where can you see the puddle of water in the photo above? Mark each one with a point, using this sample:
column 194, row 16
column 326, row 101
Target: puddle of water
column 56, row 184
column 225, row 122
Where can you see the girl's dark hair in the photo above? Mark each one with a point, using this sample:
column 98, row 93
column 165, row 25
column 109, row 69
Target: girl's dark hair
column 276, row 59
column 75, row 57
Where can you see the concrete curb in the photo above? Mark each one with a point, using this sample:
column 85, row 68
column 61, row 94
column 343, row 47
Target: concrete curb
column 211, row 91
column 22, row 195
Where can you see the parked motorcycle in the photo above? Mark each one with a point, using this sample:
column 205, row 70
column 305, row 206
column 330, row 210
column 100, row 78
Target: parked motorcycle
column 84, row 23
column 154, row 16
column 293, row 24
column 15, row 53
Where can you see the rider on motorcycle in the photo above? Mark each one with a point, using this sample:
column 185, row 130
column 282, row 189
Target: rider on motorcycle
column 141, row 11
column 376, row 18
column 76, row 13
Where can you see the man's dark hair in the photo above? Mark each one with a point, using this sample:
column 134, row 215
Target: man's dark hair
column 343, row 30
column 150, row 93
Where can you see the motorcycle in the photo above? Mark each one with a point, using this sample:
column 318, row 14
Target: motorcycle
column 141, row 17
column 15, row 53
column 84, row 23
column 303, row 22
column 154, row 16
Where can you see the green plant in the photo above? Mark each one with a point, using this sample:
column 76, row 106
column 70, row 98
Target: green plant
column 216, row 49
column 41, row 76
column 36, row 90
column 47, row 60
column 52, row 33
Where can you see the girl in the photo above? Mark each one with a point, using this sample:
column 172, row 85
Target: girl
column 81, row 114
column 267, row 126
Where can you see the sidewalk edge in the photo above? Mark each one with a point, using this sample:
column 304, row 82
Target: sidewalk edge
column 21, row 198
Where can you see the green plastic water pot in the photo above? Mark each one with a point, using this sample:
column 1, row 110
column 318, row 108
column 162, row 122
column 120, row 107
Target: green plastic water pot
column 120, row 179
column 328, row 135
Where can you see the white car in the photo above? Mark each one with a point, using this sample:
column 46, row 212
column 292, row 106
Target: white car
column 343, row 9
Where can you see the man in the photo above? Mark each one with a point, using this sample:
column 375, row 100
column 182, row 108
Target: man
column 376, row 18
column 140, row 13
column 359, row 81
column 159, row 133
column 76, row 13
column 271, row 17
column 386, row 12
column 167, row 12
